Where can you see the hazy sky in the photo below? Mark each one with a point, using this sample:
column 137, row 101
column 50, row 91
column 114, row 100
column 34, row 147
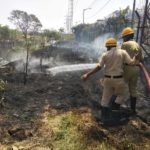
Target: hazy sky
column 52, row 13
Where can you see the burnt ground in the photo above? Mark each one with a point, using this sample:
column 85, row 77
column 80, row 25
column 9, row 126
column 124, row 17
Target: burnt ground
column 24, row 106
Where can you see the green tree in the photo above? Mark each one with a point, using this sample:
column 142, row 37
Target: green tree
column 51, row 34
column 4, row 33
column 115, row 22
column 61, row 30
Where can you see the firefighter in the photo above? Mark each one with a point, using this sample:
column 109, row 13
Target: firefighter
column 131, row 73
column 112, row 61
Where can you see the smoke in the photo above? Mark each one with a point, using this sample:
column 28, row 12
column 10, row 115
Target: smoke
column 38, row 65
column 21, row 55
column 92, row 49
column 18, row 61
column 99, row 43
column 64, row 53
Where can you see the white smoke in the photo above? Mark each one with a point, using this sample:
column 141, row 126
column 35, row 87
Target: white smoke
column 92, row 51
column 99, row 43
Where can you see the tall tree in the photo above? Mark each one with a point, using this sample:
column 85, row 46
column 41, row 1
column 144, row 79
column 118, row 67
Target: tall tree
column 28, row 24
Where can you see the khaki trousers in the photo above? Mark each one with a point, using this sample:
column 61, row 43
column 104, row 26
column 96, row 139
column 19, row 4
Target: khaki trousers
column 131, row 74
column 114, row 86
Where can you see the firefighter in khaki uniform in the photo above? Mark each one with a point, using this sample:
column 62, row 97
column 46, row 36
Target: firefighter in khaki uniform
column 131, row 73
column 112, row 61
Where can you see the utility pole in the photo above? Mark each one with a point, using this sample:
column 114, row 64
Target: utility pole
column 138, row 27
column 143, row 23
column 133, row 11
column 84, row 13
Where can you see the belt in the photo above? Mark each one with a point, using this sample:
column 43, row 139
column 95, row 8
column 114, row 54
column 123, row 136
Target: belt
column 127, row 64
column 107, row 76
column 130, row 65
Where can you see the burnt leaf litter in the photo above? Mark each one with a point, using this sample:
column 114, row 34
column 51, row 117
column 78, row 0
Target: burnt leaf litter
column 60, row 112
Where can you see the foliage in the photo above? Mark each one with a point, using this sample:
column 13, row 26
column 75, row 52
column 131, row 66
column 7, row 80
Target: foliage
column 126, row 145
column 2, row 90
column 61, row 30
column 14, row 34
column 68, row 37
column 9, row 34
column 115, row 22
column 2, row 85
column 27, row 23
column 51, row 34
column 4, row 32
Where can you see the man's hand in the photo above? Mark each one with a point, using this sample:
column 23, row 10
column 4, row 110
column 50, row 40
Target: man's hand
column 136, row 58
column 137, row 55
column 93, row 71
column 84, row 77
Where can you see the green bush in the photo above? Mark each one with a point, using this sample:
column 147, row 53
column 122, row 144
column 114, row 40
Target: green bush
column 2, row 86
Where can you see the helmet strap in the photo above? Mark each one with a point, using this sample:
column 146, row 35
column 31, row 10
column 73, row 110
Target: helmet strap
column 128, row 37
column 109, row 47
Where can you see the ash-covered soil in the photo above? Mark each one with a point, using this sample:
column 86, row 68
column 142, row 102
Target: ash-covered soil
column 46, row 112
column 24, row 106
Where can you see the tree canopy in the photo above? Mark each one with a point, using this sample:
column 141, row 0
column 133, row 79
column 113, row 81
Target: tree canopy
column 27, row 23
column 51, row 34
column 115, row 22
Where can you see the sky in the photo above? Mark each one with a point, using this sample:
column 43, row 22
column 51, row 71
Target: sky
column 52, row 13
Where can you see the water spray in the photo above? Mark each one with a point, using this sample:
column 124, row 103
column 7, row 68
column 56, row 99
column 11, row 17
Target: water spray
column 70, row 68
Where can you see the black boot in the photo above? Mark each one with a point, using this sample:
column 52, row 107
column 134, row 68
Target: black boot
column 115, row 106
column 110, row 118
column 133, row 104
column 105, row 114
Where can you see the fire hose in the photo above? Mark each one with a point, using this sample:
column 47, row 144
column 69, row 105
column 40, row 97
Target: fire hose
column 146, row 74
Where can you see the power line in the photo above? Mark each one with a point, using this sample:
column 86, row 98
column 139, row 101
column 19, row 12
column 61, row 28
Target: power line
column 93, row 2
column 100, row 9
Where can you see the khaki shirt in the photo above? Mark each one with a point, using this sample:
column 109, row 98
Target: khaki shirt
column 132, row 48
column 113, row 61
